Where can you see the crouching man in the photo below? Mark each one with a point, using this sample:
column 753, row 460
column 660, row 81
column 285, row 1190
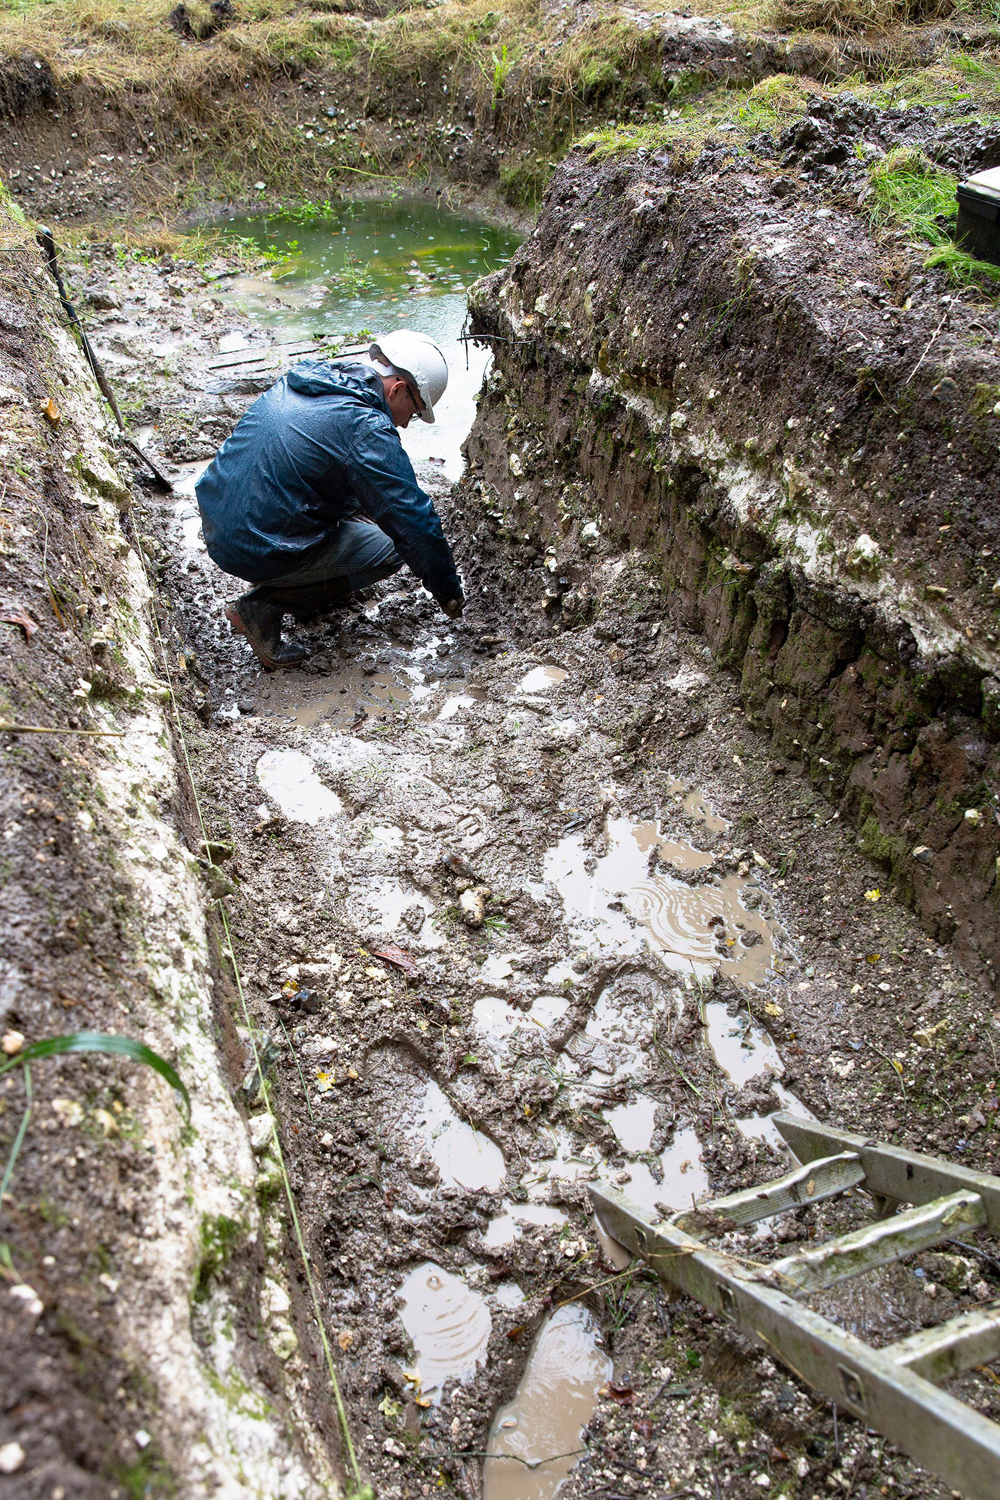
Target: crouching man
column 312, row 495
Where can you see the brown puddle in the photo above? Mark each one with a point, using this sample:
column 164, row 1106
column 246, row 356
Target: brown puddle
column 555, row 1400
column 696, row 805
column 625, row 907
column 541, row 678
column 449, row 1324
column 338, row 703
column 464, row 1157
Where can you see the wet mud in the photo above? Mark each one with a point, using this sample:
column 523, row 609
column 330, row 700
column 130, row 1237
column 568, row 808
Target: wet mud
column 498, row 955
column 500, row 939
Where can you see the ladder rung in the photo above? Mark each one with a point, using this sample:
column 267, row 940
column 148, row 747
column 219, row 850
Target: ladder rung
column 876, row 1244
column 809, row 1184
column 973, row 1338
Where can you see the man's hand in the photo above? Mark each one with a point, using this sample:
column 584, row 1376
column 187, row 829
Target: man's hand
column 452, row 607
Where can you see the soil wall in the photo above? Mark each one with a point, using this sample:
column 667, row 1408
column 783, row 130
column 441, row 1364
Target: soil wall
column 139, row 1273
column 799, row 424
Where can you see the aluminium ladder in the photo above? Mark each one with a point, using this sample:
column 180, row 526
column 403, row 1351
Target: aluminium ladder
column 893, row 1389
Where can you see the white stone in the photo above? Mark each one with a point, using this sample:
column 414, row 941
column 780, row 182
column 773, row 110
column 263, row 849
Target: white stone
column 12, row 1456
column 274, row 1300
column 261, row 1132
column 32, row 1302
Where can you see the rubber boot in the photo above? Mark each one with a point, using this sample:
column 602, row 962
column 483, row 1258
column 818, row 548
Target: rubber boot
column 257, row 616
column 311, row 599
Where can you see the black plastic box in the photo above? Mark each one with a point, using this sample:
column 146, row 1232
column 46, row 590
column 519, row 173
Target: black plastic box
column 978, row 229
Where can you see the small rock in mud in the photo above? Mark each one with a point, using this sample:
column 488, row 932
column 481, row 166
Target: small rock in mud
column 457, row 864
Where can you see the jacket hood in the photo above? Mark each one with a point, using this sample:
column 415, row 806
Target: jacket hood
column 318, row 377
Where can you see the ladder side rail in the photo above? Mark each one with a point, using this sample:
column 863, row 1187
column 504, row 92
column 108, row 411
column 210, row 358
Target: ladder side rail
column 311, row 345
column 949, row 1438
column 263, row 351
column 890, row 1171
column 879, row 1243
column 938, row 1353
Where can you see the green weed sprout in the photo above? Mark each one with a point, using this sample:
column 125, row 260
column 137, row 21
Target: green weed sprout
column 82, row 1041
column 910, row 190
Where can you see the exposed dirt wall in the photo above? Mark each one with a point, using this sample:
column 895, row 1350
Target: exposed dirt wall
column 133, row 1270
column 718, row 364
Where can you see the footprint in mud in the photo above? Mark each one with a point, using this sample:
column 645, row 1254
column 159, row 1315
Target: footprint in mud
column 623, row 908
column 634, row 1124
column 417, row 1108
column 543, row 1425
column 394, row 907
column 510, row 1224
column 289, row 778
column 683, row 1180
column 744, row 1052
column 626, row 1015
column 449, row 1324
column 499, row 1021
column 740, row 1048
column 464, row 1156
column 541, row 678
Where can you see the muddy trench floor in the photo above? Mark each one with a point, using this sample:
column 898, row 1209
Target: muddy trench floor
column 616, row 936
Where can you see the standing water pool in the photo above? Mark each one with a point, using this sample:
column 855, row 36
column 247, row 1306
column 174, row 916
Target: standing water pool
column 376, row 266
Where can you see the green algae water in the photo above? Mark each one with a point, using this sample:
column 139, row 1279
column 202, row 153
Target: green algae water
column 379, row 265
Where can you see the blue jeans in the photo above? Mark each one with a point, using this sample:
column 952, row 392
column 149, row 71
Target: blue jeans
column 359, row 552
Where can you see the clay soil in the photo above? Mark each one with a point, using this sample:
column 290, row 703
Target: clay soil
column 878, row 1029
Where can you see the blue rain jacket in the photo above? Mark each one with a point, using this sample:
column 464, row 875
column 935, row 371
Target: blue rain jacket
column 316, row 448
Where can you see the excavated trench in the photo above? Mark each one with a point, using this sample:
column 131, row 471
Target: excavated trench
column 521, row 904
column 689, row 819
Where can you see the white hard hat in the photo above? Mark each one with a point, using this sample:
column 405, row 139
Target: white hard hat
column 418, row 357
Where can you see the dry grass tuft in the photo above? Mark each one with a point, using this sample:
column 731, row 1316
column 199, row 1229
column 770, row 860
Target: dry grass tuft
column 856, row 17
column 15, row 231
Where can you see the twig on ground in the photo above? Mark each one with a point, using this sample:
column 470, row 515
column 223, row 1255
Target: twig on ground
column 916, row 367
column 302, row 1076
column 597, row 1286
column 893, row 1065
column 529, row 1463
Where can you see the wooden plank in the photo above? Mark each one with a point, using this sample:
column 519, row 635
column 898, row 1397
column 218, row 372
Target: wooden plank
column 876, row 1244
column 811, row 1183
column 949, row 1438
column 890, row 1171
column 973, row 1338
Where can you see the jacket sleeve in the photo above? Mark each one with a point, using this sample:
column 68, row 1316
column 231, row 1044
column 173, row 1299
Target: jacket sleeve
column 382, row 477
